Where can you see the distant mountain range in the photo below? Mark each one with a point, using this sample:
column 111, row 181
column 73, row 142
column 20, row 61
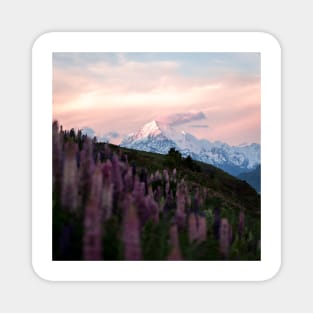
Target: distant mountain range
column 160, row 137
column 242, row 161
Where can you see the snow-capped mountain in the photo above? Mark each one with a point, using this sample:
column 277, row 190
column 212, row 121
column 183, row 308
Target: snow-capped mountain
column 160, row 137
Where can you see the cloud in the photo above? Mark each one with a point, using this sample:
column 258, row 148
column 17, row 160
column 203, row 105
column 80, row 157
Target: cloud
column 109, row 136
column 88, row 131
column 112, row 134
column 199, row 126
column 181, row 118
column 122, row 92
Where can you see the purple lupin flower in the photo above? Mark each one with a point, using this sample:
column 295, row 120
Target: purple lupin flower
column 197, row 229
column 181, row 205
column 86, row 169
column 96, row 186
column 202, row 231
column 174, row 173
column 117, row 175
column 157, row 194
column 241, row 224
column 152, row 208
column 107, row 151
column 151, row 178
column 140, row 201
column 129, row 181
column 196, row 202
column 224, row 238
column 166, row 175
column 107, row 171
column 131, row 230
column 92, row 220
column 150, row 191
column 231, row 237
column 144, row 179
column 192, row 228
column 107, row 191
column 216, row 222
column 158, row 175
column 167, row 187
column 107, row 201
column 69, row 194
column 175, row 254
column 57, row 163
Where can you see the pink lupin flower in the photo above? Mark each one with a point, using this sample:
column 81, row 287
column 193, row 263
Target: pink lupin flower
column 131, row 233
column 197, row 228
column 69, row 196
column 224, row 238
column 202, row 230
column 92, row 249
column 192, row 228
column 175, row 254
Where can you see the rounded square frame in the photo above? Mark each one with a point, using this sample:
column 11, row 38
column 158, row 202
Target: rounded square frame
column 270, row 51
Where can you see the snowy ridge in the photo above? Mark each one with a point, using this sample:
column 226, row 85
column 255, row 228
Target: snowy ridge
column 160, row 137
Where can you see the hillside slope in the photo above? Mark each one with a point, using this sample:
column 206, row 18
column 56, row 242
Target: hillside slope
column 224, row 186
column 111, row 203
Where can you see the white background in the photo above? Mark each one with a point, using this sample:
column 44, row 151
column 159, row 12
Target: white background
column 22, row 22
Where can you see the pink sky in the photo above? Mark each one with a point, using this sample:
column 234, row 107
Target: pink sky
column 121, row 92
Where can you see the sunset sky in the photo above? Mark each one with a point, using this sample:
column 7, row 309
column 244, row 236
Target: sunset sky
column 210, row 95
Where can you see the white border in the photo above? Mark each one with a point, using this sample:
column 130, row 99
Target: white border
column 270, row 51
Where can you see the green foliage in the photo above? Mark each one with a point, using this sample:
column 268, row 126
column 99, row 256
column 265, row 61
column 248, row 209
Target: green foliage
column 155, row 240
column 173, row 159
column 191, row 165
column 112, row 246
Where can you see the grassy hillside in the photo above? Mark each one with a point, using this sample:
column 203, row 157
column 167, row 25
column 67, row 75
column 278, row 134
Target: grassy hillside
column 112, row 203
column 225, row 189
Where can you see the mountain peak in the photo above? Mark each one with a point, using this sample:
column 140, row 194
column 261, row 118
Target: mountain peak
column 150, row 129
column 152, row 125
column 159, row 137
